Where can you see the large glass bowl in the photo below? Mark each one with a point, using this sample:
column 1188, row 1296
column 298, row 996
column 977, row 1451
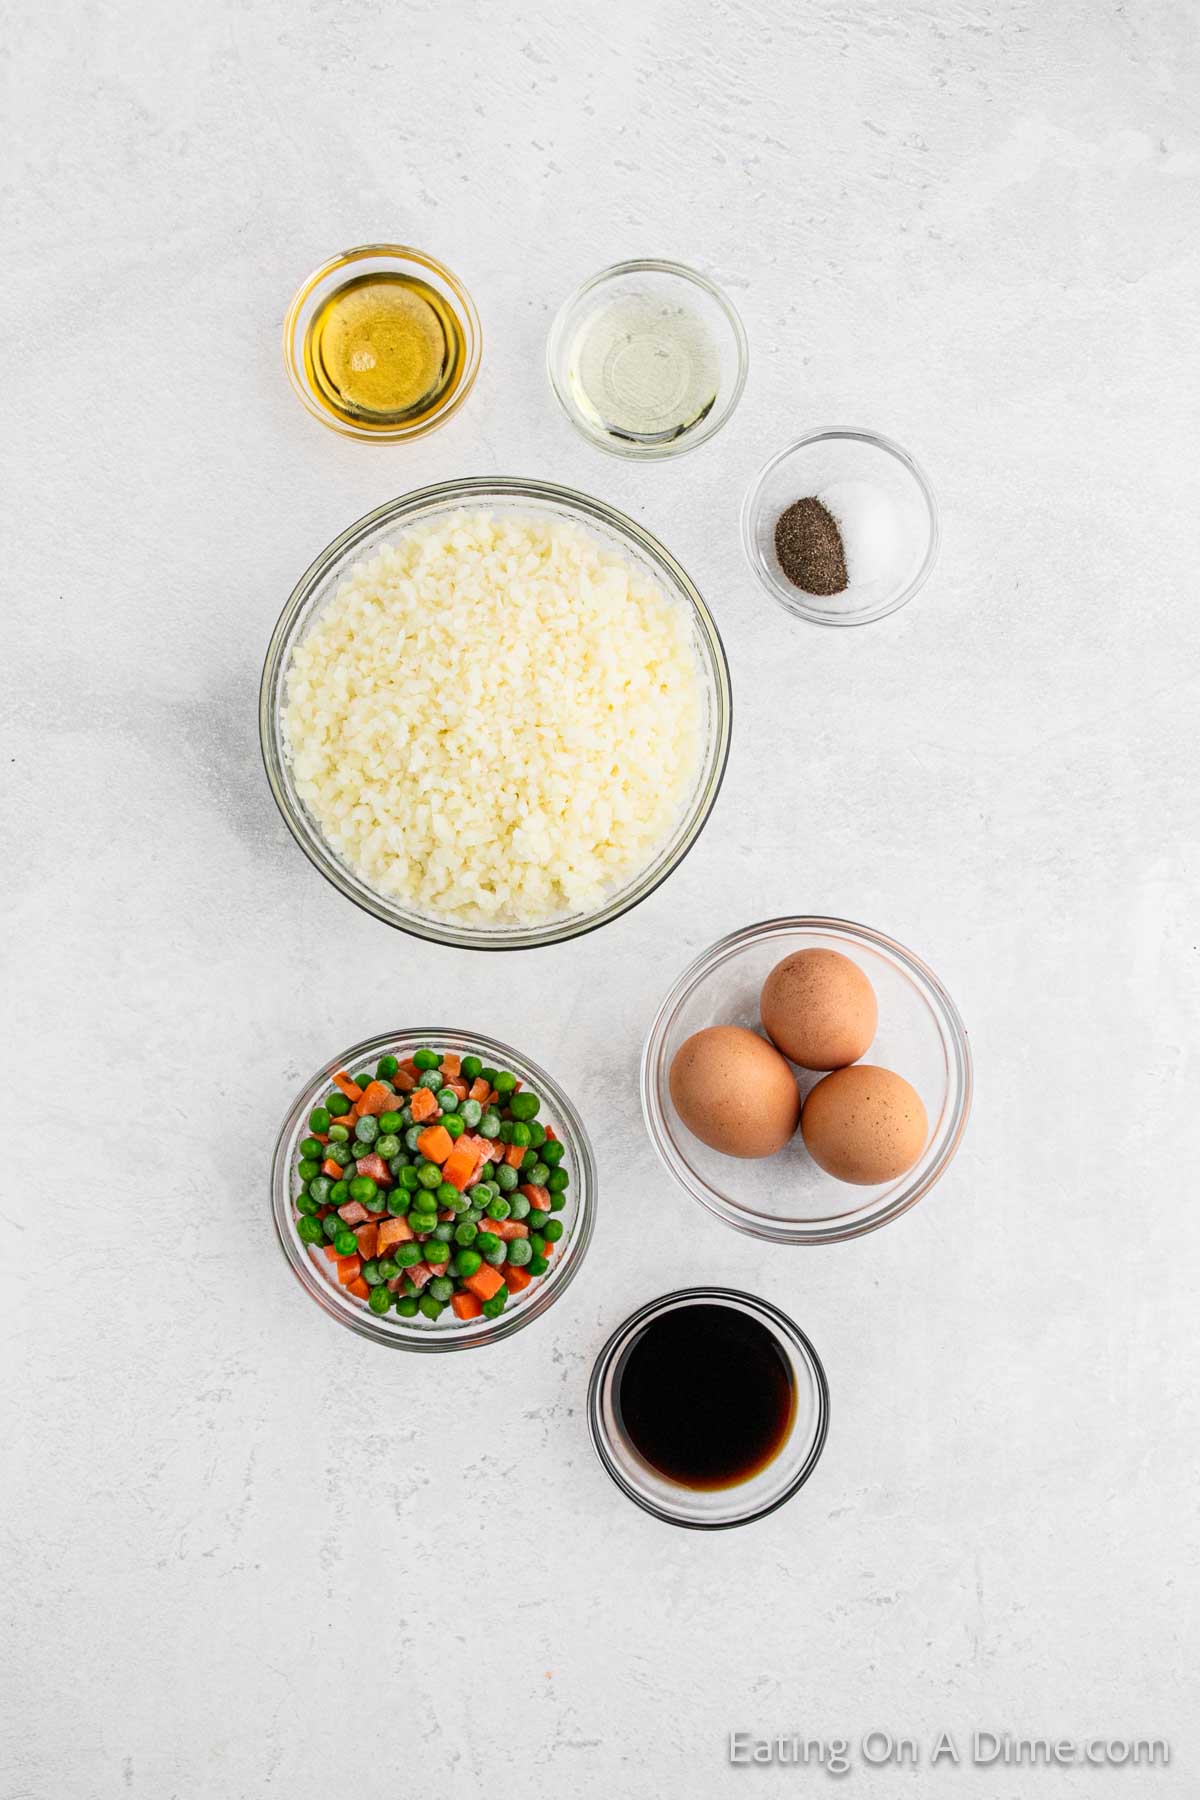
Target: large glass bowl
column 448, row 1333
column 365, row 538
column 786, row 1198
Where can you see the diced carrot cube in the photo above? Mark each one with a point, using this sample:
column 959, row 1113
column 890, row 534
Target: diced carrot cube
column 435, row 1143
column 353, row 1212
column 332, row 1169
column 478, row 1090
column 451, row 1066
column 538, row 1197
column 331, row 1253
column 344, row 1085
column 423, row 1104
column 368, row 1237
column 484, row 1282
column 377, row 1098
column 403, row 1082
column 391, row 1232
column 466, row 1306
column 349, row 1268
column 508, row 1229
column 460, row 1165
column 358, row 1288
column 551, row 1135
column 419, row 1274
column 514, row 1156
column 516, row 1279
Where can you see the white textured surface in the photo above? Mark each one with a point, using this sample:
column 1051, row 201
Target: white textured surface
column 246, row 1554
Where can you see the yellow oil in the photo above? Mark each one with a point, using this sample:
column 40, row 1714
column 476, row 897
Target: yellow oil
column 384, row 350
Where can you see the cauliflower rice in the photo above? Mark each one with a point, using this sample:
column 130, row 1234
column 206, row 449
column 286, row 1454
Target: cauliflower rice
column 496, row 718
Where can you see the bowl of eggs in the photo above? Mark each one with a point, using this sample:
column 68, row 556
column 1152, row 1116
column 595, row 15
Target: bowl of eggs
column 807, row 1080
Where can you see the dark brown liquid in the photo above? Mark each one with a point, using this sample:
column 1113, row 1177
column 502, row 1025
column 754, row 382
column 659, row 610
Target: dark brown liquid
column 705, row 1394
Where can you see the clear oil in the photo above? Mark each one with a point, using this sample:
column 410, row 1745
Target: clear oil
column 644, row 370
column 384, row 350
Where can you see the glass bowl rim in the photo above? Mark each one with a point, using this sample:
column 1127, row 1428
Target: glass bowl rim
column 845, row 1226
column 783, row 1325
column 397, row 253
column 420, row 1338
column 689, row 440
column 715, row 677
column 795, row 603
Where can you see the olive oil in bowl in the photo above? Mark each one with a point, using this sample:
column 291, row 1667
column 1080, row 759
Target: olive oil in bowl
column 382, row 343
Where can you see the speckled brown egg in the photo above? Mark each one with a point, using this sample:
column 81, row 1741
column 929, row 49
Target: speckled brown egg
column 864, row 1124
column 734, row 1091
column 819, row 1008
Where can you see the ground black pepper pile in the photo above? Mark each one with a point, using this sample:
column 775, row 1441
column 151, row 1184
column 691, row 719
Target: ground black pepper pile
column 810, row 549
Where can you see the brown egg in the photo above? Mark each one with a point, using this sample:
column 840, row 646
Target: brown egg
column 819, row 1008
column 864, row 1124
column 734, row 1091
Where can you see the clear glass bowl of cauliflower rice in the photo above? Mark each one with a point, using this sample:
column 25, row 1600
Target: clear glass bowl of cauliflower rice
column 495, row 713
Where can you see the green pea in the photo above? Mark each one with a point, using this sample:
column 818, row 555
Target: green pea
column 496, row 1257
column 331, row 1225
column 426, row 1059
column 488, row 1075
column 445, row 1194
column 339, row 1193
column 308, row 1168
column 370, row 1274
column 520, row 1251
column 505, row 1082
column 552, row 1230
column 470, row 1112
column 454, row 1124
column 518, row 1207
column 528, row 1160
column 499, row 1208
column 474, row 1214
column 537, row 1265
column 506, row 1131
column 440, row 1288
column 524, row 1106
column 398, row 1202
column 437, row 1254
column 341, row 1154
column 537, row 1243
column 447, row 1099
column 431, row 1308
column 363, row 1188
column 429, row 1175
column 412, row 1135
column 466, row 1232
column 305, row 1203
column 495, row 1306
column 401, row 1160
column 558, row 1180
column 537, row 1135
column 406, row 1306
column 379, row 1300
column 320, row 1187
column 338, row 1134
column 489, row 1124
column 311, row 1149
column 336, row 1104
column 387, row 1147
column 553, row 1152
column 520, row 1134
column 389, row 1122
column 507, row 1177
column 423, row 1223
column 443, row 1232
column 309, row 1231
column 409, row 1178
column 467, row 1262
column 538, row 1175
column 471, row 1069
column 407, row 1255
column 389, row 1268
column 345, row 1243
column 557, row 1202
column 362, row 1079
column 487, row 1242
column 386, row 1067
column 366, row 1130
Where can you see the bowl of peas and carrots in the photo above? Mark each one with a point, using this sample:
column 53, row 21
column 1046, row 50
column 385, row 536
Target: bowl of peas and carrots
column 433, row 1189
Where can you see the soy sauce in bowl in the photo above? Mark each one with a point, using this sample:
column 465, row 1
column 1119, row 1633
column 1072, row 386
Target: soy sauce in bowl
column 705, row 1394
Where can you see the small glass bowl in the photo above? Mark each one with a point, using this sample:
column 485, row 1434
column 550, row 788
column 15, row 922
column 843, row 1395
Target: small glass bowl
column 672, row 284
column 448, row 1332
column 895, row 539
column 364, row 539
column 786, row 1198
column 713, row 1509
column 380, row 259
